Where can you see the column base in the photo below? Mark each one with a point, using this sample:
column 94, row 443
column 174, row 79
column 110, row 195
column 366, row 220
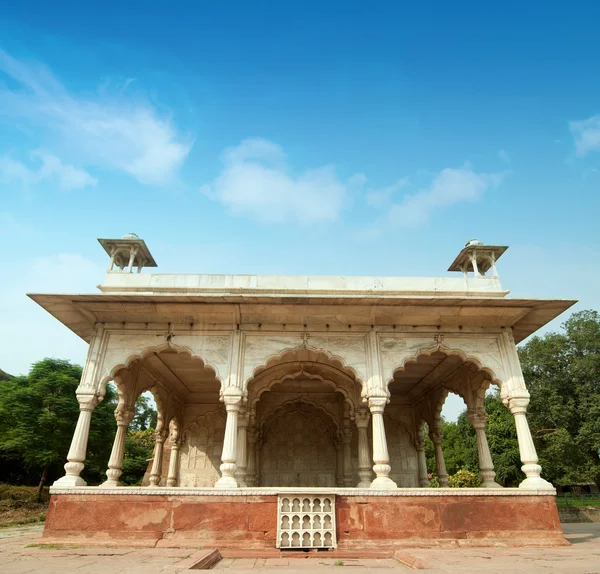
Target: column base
column 110, row 484
column 226, row 482
column 536, row 483
column 383, row 483
column 70, row 480
column 364, row 484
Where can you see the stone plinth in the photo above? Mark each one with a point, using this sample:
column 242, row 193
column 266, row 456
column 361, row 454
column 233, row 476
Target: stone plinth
column 247, row 518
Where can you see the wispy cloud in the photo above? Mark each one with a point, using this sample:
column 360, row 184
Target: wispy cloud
column 449, row 186
column 257, row 181
column 586, row 134
column 116, row 132
column 51, row 168
column 379, row 197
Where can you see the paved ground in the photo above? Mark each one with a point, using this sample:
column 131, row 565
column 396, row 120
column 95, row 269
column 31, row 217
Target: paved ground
column 19, row 555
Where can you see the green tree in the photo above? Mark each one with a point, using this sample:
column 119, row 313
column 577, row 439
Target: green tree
column 562, row 372
column 145, row 414
column 38, row 414
column 139, row 446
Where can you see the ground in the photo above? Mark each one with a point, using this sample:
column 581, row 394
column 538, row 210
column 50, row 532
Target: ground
column 18, row 505
column 21, row 553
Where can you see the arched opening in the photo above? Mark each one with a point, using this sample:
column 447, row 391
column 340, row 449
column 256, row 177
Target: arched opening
column 418, row 393
column 301, row 409
column 186, row 393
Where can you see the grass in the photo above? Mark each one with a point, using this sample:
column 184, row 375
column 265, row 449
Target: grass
column 18, row 505
column 579, row 500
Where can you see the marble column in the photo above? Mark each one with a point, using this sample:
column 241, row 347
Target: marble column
column 160, row 436
column 421, row 460
column 361, row 419
column 339, row 462
column 233, row 404
column 440, row 464
column 124, row 416
column 242, row 448
column 78, row 449
column 518, row 407
column 381, row 457
column 251, row 470
column 173, row 474
column 478, row 419
column 346, row 444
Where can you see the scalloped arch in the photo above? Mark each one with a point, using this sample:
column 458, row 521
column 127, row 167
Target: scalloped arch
column 156, row 349
column 285, row 407
column 271, row 383
column 448, row 351
column 319, row 356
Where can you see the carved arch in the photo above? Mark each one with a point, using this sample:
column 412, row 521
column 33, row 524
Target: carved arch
column 264, row 384
column 441, row 348
column 291, row 405
column 155, row 349
column 306, row 354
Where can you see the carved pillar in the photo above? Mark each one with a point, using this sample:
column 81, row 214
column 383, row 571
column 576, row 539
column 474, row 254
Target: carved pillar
column 381, row 457
column 421, row 460
column 251, row 470
column 124, row 416
column 174, row 460
column 159, row 442
column 346, row 442
column 233, row 404
column 478, row 418
column 440, row 464
column 78, row 449
column 531, row 468
column 339, row 462
column 361, row 419
column 259, row 444
column 242, row 448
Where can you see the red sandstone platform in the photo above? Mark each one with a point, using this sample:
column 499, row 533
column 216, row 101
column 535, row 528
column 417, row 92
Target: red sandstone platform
column 247, row 518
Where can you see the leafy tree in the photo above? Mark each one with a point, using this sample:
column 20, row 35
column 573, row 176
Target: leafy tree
column 562, row 372
column 38, row 414
column 145, row 414
column 139, row 446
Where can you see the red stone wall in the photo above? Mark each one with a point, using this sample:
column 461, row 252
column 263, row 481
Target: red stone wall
column 251, row 521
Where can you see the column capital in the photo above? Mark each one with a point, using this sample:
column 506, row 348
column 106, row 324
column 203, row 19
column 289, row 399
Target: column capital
column 518, row 404
column 252, row 434
column 477, row 417
column 124, row 415
column 243, row 418
column 361, row 418
column 160, row 435
column 377, row 404
column 436, row 437
column 233, row 399
column 88, row 402
column 419, row 443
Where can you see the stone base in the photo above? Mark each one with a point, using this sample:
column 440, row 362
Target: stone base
column 247, row 518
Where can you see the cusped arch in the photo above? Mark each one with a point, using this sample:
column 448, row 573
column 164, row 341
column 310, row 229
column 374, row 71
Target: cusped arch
column 299, row 404
column 156, row 349
column 306, row 354
column 264, row 383
column 449, row 351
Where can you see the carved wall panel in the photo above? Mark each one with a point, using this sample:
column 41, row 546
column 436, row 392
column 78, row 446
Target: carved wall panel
column 403, row 455
column 201, row 450
column 298, row 450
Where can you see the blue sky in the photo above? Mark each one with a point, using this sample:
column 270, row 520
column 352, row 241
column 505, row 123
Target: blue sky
column 345, row 138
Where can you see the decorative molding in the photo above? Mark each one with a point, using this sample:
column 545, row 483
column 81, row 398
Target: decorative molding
column 299, row 491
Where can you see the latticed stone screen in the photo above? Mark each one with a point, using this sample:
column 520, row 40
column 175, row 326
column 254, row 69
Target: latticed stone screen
column 306, row 522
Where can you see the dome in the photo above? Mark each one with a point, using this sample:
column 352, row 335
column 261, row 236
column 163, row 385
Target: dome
column 473, row 243
column 130, row 236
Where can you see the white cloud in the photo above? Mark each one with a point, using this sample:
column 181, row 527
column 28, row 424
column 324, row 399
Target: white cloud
column 448, row 187
column 379, row 197
column 586, row 134
column 52, row 168
column 257, row 181
column 118, row 132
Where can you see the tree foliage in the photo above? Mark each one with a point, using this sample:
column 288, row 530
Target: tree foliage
column 562, row 372
column 38, row 414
